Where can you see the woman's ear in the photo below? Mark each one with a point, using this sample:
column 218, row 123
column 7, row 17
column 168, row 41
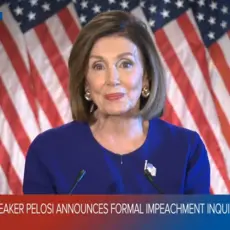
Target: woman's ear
column 86, row 86
column 145, row 80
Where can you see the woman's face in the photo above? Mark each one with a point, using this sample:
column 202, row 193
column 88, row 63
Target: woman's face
column 115, row 75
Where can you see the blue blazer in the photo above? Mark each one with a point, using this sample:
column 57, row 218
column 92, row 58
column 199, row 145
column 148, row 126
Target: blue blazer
column 56, row 157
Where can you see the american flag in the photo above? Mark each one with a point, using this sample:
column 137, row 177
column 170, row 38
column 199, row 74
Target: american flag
column 191, row 36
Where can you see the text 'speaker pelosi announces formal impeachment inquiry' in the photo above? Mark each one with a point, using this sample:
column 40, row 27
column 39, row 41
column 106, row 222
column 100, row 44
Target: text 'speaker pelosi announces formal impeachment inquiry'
column 116, row 143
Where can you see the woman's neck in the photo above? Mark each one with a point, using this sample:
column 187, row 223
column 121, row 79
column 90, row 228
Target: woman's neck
column 120, row 128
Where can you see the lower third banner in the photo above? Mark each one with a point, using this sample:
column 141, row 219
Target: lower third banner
column 114, row 212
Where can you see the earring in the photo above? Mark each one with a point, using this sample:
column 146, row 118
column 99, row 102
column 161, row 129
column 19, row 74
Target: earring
column 87, row 96
column 145, row 92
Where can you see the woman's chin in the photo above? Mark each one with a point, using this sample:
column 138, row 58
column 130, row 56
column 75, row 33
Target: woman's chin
column 118, row 111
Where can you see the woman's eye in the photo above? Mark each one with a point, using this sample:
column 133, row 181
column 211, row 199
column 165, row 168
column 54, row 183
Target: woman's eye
column 98, row 67
column 126, row 64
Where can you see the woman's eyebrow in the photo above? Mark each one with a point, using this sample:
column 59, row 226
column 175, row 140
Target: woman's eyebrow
column 118, row 56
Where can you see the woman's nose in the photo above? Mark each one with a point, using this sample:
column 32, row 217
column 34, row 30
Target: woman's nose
column 113, row 76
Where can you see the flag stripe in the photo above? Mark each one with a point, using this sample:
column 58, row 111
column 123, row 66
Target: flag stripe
column 60, row 38
column 74, row 14
column 179, row 114
column 196, row 45
column 224, row 44
column 170, row 114
column 53, row 54
column 222, row 95
column 69, row 24
column 19, row 66
column 48, row 77
column 199, row 53
column 13, row 119
column 4, row 188
column 15, row 34
column 223, row 98
column 197, row 95
column 34, row 76
column 217, row 88
column 44, row 98
column 17, row 96
column 12, row 177
column 12, row 147
column 221, row 63
column 43, row 120
column 181, row 111
column 192, row 101
column 64, row 46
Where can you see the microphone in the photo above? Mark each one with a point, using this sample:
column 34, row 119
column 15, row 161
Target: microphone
column 150, row 179
column 79, row 177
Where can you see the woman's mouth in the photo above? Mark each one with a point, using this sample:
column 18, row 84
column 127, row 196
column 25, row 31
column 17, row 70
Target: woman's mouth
column 114, row 96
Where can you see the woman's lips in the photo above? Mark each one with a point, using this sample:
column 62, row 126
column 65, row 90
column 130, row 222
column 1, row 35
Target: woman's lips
column 114, row 96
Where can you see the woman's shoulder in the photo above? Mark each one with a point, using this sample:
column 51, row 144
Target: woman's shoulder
column 65, row 129
column 186, row 149
column 175, row 133
column 63, row 134
column 171, row 128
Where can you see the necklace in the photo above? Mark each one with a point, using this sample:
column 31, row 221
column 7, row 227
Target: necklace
column 121, row 160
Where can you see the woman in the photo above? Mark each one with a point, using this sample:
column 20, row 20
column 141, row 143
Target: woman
column 117, row 94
